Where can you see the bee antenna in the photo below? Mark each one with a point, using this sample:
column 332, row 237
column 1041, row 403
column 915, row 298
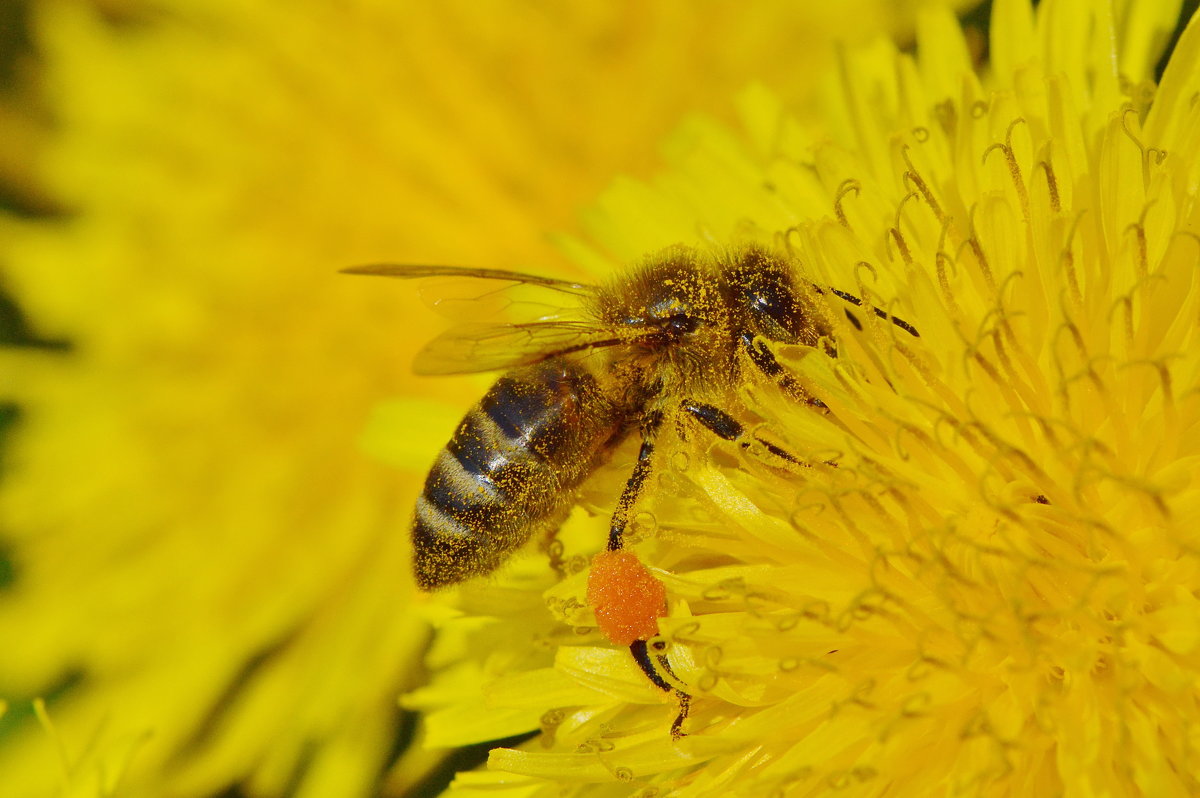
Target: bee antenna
column 880, row 312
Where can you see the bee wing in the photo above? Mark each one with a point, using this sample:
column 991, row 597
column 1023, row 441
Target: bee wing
column 473, row 348
column 469, row 294
column 511, row 319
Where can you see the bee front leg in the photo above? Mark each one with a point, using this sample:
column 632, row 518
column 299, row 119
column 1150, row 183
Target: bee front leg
column 726, row 427
column 765, row 361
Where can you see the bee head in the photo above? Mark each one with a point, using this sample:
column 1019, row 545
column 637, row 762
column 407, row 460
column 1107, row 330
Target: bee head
column 765, row 292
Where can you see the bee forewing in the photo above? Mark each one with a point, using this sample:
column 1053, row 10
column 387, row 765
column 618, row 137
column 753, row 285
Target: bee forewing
column 471, row 294
column 473, row 348
column 473, row 299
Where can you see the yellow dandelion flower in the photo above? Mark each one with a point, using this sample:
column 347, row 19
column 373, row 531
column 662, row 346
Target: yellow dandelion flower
column 983, row 578
column 210, row 582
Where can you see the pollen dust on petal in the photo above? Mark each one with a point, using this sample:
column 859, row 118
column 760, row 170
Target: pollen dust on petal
column 628, row 600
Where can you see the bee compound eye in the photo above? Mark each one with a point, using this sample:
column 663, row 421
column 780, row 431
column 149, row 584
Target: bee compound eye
column 768, row 295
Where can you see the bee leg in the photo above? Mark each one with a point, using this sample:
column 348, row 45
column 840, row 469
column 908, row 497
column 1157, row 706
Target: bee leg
column 637, row 479
column 764, row 359
column 685, row 708
column 640, row 650
column 726, row 427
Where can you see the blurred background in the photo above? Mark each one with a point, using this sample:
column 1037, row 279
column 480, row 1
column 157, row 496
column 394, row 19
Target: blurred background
column 202, row 572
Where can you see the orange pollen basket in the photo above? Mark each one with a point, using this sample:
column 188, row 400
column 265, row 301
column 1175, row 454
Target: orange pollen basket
column 628, row 600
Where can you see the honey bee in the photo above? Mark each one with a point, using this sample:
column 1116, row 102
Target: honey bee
column 665, row 343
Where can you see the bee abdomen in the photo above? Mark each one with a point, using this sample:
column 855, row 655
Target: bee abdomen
column 509, row 470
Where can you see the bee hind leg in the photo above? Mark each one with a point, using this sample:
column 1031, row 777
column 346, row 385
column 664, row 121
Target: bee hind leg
column 653, row 665
column 635, row 483
column 640, row 649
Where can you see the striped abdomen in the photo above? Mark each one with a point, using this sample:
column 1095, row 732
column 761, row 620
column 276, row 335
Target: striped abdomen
column 510, row 470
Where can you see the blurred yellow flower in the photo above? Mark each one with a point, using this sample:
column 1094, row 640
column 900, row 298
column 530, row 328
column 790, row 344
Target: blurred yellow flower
column 987, row 582
column 211, row 582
